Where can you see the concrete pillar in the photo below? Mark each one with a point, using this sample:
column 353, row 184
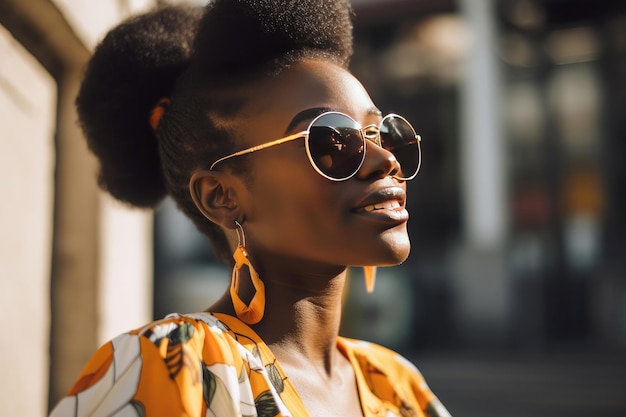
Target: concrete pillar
column 480, row 271
column 76, row 245
column 125, row 268
column 482, row 143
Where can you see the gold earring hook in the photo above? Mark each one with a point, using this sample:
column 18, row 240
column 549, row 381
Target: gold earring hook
column 240, row 234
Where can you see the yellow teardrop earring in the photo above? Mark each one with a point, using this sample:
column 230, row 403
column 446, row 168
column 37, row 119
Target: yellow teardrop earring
column 253, row 312
column 370, row 277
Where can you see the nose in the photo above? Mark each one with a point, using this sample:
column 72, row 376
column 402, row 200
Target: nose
column 378, row 162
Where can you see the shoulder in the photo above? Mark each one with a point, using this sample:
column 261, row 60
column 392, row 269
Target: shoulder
column 180, row 328
column 200, row 336
column 381, row 357
column 148, row 368
column 391, row 376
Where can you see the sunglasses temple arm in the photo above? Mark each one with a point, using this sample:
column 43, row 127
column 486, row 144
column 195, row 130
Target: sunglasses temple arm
column 289, row 138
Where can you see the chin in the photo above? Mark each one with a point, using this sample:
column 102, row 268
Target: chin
column 395, row 252
column 401, row 256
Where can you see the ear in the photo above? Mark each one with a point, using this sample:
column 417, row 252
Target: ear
column 215, row 195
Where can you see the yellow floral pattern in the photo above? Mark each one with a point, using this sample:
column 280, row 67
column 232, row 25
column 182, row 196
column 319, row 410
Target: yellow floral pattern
column 214, row 365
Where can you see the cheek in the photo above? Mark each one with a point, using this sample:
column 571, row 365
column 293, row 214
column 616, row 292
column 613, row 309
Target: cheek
column 291, row 205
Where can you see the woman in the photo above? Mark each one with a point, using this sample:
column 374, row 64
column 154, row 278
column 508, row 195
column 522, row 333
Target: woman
column 246, row 115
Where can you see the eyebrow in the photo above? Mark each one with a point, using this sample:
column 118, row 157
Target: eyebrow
column 305, row 115
column 312, row 113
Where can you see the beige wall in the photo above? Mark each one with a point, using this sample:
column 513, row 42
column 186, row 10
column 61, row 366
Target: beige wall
column 75, row 267
column 27, row 106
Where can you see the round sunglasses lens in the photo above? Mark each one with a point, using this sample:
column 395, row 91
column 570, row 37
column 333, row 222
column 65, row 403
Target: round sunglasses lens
column 398, row 137
column 336, row 146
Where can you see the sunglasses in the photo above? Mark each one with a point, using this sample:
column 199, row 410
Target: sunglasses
column 335, row 145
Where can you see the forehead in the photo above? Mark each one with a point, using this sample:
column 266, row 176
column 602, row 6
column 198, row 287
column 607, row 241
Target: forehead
column 308, row 84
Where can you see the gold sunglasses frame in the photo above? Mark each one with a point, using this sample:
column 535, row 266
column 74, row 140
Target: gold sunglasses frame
column 364, row 132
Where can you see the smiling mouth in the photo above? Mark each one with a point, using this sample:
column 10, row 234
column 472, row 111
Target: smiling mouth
column 385, row 205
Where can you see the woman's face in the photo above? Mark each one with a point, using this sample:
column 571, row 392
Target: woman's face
column 293, row 214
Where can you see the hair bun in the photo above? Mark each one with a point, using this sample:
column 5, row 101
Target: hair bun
column 135, row 65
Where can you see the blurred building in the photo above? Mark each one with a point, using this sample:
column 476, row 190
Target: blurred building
column 518, row 238
column 518, row 241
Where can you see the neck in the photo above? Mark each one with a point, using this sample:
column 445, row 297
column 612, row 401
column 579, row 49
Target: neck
column 302, row 318
column 302, row 315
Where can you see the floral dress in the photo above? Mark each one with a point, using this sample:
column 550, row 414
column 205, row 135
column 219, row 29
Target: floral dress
column 214, row 365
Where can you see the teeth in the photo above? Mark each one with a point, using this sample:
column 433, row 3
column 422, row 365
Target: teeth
column 385, row 205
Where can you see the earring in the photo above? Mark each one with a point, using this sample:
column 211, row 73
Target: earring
column 370, row 277
column 253, row 312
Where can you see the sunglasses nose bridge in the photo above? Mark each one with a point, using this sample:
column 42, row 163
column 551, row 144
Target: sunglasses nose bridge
column 378, row 160
column 371, row 133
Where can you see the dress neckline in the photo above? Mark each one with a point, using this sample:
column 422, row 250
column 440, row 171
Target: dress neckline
column 371, row 405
